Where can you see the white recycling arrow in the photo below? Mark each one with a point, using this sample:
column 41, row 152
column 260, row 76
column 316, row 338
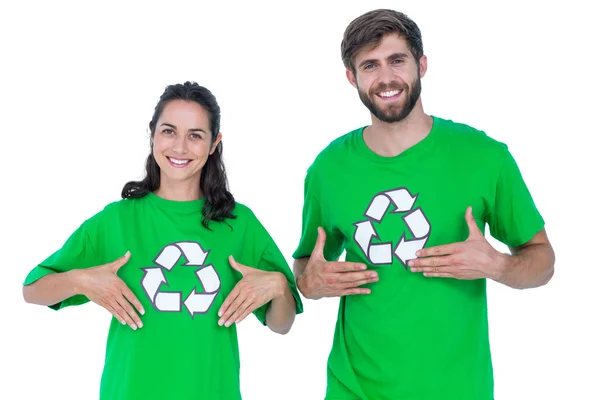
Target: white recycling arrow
column 380, row 253
column 417, row 223
column 209, row 279
column 168, row 256
column 402, row 199
column 407, row 249
column 199, row 303
column 153, row 278
column 378, row 207
column 194, row 253
column 363, row 234
column 168, row 301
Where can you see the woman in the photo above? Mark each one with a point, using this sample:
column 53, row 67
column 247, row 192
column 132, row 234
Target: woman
column 195, row 262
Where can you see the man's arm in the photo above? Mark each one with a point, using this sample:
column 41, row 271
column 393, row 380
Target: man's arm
column 300, row 266
column 530, row 265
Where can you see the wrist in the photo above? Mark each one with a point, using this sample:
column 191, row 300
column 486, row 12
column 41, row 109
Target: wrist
column 75, row 278
column 503, row 263
column 280, row 284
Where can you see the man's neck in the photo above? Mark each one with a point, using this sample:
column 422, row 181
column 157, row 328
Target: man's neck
column 391, row 139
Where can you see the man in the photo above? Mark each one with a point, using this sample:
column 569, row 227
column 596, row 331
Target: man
column 408, row 198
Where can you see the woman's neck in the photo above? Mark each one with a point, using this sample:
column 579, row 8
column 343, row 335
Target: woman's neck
column 179, row 191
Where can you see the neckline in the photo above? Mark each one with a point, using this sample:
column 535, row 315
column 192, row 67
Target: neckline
column 189, row 205
column 418, row 147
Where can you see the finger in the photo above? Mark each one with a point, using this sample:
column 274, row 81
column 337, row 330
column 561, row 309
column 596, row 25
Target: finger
column 233, row 306
column 130, row 315
column 436, row 269
column 123, row 316
column 114, row 313
column 129, row 309
column 248, row 311
column 119, row 262
column 345, row 266
column 442, row 250
column 438, row 275
column 242, row 269
column 418, row 263
column 368, row 276
column 230, row 298
column 353, row 291
column 319, row 245
column 474, row 231
column 132, row 299
column 248, row 304
column 356, row 284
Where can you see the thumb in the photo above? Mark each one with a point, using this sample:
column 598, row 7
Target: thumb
column 242, row 269
column 119, row 262
column 474, row 231
column 320, row 244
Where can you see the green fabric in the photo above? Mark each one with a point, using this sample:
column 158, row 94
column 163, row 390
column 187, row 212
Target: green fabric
column 413, row 338
column 182, row 354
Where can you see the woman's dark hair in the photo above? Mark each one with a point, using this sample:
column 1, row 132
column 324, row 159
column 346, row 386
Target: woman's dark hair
column 219, row 202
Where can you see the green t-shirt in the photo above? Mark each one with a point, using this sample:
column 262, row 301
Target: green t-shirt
column 413, row 338
column 180, row 272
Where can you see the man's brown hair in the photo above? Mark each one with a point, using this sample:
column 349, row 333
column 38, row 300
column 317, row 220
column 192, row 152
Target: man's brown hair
column 369, row 29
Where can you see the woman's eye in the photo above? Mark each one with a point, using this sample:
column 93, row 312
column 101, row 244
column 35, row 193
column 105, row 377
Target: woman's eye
column 167, row 131
column 195, row 136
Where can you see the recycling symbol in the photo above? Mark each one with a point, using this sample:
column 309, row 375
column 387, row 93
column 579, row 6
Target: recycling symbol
column 415, row 220
column 194, row 256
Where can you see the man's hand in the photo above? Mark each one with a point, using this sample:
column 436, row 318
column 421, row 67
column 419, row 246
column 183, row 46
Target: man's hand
column 322, row 278
column 474, row 258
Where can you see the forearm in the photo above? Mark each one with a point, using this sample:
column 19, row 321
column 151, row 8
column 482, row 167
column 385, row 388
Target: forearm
column 51, row 289
column 282, row 311
column 300, row 266
column 528, row 267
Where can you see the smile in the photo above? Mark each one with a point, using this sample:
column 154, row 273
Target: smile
column 389, row 94
column 176, row 162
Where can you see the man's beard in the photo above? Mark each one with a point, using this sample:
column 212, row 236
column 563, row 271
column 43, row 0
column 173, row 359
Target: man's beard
column 392, row 114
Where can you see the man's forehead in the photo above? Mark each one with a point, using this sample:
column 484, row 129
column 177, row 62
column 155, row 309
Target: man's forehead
column 389, row 44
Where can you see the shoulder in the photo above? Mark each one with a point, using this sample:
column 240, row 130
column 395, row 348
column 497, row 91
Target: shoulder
column 335, row 151
column 115, row 210
column 460, row 136
column 243, row 212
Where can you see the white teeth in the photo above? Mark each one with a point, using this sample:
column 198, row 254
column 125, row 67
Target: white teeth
column 178, row 162
column 389, row 93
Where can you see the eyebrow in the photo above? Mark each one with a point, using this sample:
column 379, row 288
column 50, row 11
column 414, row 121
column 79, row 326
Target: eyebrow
column 191, row 130
column 389, row 58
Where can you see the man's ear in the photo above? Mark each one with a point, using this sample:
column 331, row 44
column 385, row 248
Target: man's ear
column 351, row 78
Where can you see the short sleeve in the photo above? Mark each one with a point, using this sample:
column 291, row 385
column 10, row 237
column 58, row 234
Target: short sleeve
column 514, row 218
column 269, row 258
column 273, row 260
column 313, row 216
column 77, row 252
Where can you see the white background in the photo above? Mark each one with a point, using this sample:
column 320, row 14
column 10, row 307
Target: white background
column 79, row 82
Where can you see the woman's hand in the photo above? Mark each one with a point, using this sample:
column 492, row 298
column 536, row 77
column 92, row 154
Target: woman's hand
column 256, row 289
column 102, row 286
